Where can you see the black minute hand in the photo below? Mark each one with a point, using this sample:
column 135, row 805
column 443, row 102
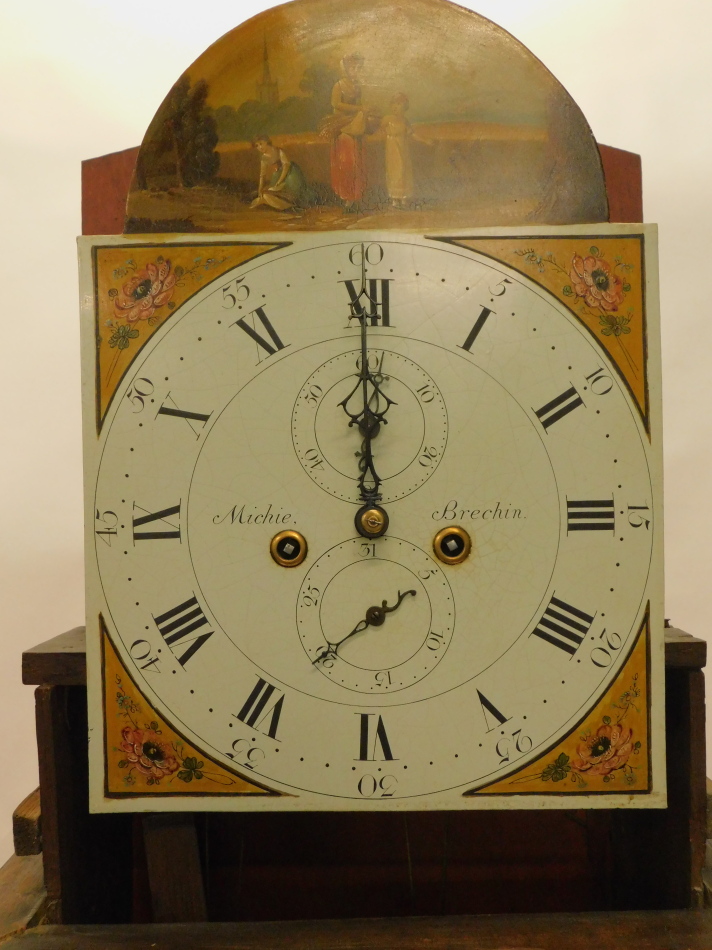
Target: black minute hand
column 368, row 419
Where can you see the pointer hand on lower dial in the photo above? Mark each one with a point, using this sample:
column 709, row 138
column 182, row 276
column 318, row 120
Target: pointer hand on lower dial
column 375, row 617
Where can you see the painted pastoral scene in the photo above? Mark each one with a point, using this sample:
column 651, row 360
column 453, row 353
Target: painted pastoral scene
column 365, row 114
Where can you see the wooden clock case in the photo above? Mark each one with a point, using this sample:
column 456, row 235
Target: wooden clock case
column 226, row 867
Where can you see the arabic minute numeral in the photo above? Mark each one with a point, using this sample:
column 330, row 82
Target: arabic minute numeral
column 383, row 678
column 326, row 657
column 602, row 656
column 511, row 747
column 314, row 459
column 310, row 597
column 434, row 640
column 313, row 395
column 500, row 289
column 599, row 382
column 638, row 516
column 369, row 786
column 373, row 254
column 139, row 392
column 426, row 393
column 108, row 521
column 236, row 290
column 141, row 651
column 428, row 455
column 246, row 754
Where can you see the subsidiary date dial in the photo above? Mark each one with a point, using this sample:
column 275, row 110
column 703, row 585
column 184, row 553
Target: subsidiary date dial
column 395, row 651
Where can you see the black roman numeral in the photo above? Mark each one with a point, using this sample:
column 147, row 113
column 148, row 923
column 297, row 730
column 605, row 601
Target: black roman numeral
column 177, row 625
column 563, row 626
column 475, row 331
column 375, row 303
column 170, row 529
column 258, row 706
column 196, row 420
column 492, row 716
column 590, row 515
column 559, row 407
column 269, row 347
column 369, row 739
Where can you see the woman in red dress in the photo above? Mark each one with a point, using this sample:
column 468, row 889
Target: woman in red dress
column 346, row 127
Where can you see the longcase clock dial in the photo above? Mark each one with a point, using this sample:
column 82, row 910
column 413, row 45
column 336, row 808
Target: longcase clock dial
column 492, row 608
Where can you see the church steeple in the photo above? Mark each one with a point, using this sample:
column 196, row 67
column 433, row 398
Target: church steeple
column 267, row 89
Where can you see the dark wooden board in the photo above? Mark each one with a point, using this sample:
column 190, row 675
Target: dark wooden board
column 684, row 652
column 27, row 825
column 174, row 872
column 60, row 661
column 671, row 930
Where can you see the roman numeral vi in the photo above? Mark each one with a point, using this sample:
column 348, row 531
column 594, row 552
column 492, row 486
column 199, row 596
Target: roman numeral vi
column 369, row 739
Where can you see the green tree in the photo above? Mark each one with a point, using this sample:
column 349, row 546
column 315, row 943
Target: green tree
column 186, row 131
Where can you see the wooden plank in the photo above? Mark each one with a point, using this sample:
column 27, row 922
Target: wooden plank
column 105, row 185
column 27, row 825
column 22, row 893
column 698, row 787
column 661, row 930
column 87, row 858
column 683, row 651
column 624, row 184
column 60, row 661
column 53, row 752
column 174, row 872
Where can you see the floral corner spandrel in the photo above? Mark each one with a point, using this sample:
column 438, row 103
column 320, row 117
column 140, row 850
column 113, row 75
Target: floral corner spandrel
column 608, row 752
column 144, row 755
column 602, row 283
column 138, row 287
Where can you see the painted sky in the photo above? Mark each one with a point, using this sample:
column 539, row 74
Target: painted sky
column 455, row 66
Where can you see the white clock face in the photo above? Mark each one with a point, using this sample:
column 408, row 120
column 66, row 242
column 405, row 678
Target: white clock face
column 373, row 671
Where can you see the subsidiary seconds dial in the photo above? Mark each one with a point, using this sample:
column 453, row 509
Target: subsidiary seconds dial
column 408, row 448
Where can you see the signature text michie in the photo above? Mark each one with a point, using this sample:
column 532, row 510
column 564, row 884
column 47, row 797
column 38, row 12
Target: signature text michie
column 453, row 511
column 254, row 514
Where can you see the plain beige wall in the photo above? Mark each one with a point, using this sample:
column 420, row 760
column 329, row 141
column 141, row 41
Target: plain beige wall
column 80, row 78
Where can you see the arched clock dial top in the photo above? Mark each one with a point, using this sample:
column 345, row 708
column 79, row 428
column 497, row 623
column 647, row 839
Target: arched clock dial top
column 374, row 670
